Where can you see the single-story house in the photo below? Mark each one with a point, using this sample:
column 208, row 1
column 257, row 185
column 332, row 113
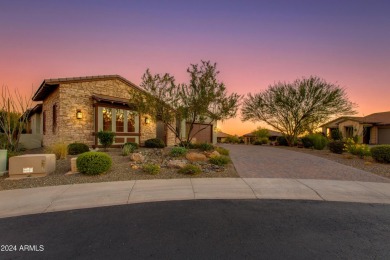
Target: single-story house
column 221, row 137
column 250, row 137
column 371, row 129
column 75, row 109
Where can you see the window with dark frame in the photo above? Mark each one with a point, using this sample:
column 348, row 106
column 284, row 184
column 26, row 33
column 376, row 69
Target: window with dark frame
column 54, row 118
column 44, row 122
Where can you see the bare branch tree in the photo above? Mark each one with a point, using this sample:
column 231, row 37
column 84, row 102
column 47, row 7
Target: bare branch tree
column 14, row 112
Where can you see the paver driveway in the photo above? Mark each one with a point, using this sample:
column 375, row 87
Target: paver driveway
column 271, row 162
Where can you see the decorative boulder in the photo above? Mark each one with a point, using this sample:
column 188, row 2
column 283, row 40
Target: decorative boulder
column 137, row 157
column 176, row 164
column 196, row 157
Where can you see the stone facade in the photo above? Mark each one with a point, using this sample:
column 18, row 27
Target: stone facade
column 72, row 96
column 51, row 134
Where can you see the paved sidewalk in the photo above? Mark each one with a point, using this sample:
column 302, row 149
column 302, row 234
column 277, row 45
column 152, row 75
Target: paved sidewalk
column 78, row 196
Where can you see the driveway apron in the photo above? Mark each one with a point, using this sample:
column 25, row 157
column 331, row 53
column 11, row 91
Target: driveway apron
column 255, row 161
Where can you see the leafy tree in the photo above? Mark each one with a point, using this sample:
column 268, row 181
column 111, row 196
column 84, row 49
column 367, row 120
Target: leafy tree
column 292, row 107
column 261, row 133
column 203, row 100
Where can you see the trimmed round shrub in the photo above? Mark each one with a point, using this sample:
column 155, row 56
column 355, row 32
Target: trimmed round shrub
column 319, row 142
column 336, row 147
column 190, row 169
column 282, row 141
column 257, row 142
column 154, row 143
column 151, row 168
column 381, row 153
column 77, row 148
column 219, row 160
column 307, row 142
column 178, row 151
column 222, row 151
column 106, row 138
column 93, row 163
column 206, row 147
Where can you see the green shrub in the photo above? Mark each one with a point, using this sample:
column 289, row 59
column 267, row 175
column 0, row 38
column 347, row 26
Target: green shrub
column 3, row 141
column 136, row 146
column 355, row 148
column 222, row 151
column 178, row 151
column 93, row 163
column 307, row 142
column 336, row 135
column 77, row 148
column 188, row 145
column 336, row 147
column 60, row 150
column 381, row 153
column 257, row 142
column 206, row 147
column 264, row 140
column 219, row 160
column 319, row 141
column 154, row 143
column 232, row 139
column 127, row 149
column 151, row 168
column 106, row 138
column 282, row 141
column 190, row 169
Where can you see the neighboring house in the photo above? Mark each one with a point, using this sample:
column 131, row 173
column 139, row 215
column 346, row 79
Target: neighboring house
column 221, row 137
column 371, row 129
column 250, row 137
column 75, row 109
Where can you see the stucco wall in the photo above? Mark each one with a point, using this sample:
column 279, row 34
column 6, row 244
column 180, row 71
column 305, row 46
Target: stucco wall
column 357, row 128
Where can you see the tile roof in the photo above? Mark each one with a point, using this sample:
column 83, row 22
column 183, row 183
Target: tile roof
column 380, row 118
column 49, row 85
column 222, row 134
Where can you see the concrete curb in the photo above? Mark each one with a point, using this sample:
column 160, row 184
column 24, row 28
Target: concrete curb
column 78, row 196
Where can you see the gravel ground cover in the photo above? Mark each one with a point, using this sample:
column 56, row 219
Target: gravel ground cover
column 121, row 170
column 367, row 164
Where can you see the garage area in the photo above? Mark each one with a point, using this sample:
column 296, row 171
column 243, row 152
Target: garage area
column 205, row 135
column 384, row 135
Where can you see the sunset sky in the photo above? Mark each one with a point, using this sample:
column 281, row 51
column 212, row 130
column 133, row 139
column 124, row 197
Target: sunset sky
column 255, row 43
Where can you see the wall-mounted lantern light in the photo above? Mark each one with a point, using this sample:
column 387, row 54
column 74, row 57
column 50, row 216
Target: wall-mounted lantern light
column 147, row 120
column 79, row 115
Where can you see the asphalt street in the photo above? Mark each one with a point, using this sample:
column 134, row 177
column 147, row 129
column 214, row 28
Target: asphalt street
column 203, row 229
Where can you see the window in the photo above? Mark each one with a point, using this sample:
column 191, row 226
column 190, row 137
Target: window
column 44, row 122
column 54, row 119
column 120, row 120
column 107, row 119
column 130, row 122
column 117, row 120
